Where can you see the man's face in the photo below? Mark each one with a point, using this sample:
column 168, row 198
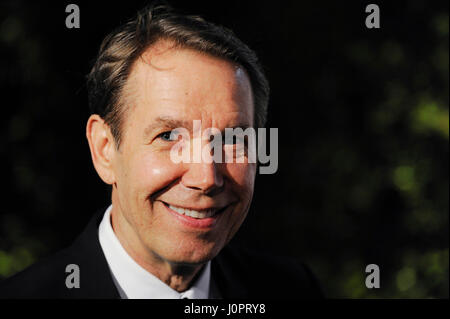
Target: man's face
column 165, row 90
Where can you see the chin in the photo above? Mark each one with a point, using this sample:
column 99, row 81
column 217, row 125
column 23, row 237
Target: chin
column 191, row 255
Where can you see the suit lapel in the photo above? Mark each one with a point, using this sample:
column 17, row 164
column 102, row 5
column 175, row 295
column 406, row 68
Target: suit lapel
column 228, row 275
column 95, row 277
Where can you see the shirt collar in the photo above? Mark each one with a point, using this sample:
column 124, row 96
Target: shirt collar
column 133, row 281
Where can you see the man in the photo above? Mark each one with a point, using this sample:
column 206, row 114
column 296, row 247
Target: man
column 166, row 232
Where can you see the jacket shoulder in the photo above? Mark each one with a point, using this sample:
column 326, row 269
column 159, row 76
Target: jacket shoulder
column 47, row 278
column 44, row 279
column 264, row 275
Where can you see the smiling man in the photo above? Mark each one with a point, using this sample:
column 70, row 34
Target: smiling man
column 166, row 232
column 172, row 218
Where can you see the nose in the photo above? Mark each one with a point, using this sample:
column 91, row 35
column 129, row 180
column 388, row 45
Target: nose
column 205, row 177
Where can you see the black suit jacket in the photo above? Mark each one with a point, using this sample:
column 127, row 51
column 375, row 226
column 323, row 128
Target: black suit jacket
column 236, row 273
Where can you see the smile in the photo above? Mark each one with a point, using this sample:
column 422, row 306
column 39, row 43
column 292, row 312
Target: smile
column 199, row 214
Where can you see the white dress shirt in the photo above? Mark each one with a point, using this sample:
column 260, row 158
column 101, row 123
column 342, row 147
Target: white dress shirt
column 133, row 281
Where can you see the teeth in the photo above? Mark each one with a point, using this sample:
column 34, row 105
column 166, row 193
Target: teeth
column 193, row 213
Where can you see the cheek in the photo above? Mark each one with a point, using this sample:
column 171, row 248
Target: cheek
column 149, row 173
column 243, row 176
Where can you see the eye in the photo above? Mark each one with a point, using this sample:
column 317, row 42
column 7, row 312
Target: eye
column 168, row 136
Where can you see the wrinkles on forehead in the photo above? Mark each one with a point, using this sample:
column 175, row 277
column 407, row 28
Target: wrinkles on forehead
column 186, row 85
column 165, row 55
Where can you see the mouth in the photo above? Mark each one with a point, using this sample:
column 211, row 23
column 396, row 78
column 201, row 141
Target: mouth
column 198, row 218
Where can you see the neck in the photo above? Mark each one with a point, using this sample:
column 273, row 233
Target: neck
column 177, row 276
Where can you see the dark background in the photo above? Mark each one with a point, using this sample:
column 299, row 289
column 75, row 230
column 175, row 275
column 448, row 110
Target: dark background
column 363, row 135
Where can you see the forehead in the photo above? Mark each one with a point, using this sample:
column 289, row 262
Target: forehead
column 186, row 84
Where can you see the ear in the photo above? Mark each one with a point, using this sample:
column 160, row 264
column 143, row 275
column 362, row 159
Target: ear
column 102, row 146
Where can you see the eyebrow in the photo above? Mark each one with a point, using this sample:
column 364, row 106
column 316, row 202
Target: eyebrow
column 171, row 123
column 168, row 123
